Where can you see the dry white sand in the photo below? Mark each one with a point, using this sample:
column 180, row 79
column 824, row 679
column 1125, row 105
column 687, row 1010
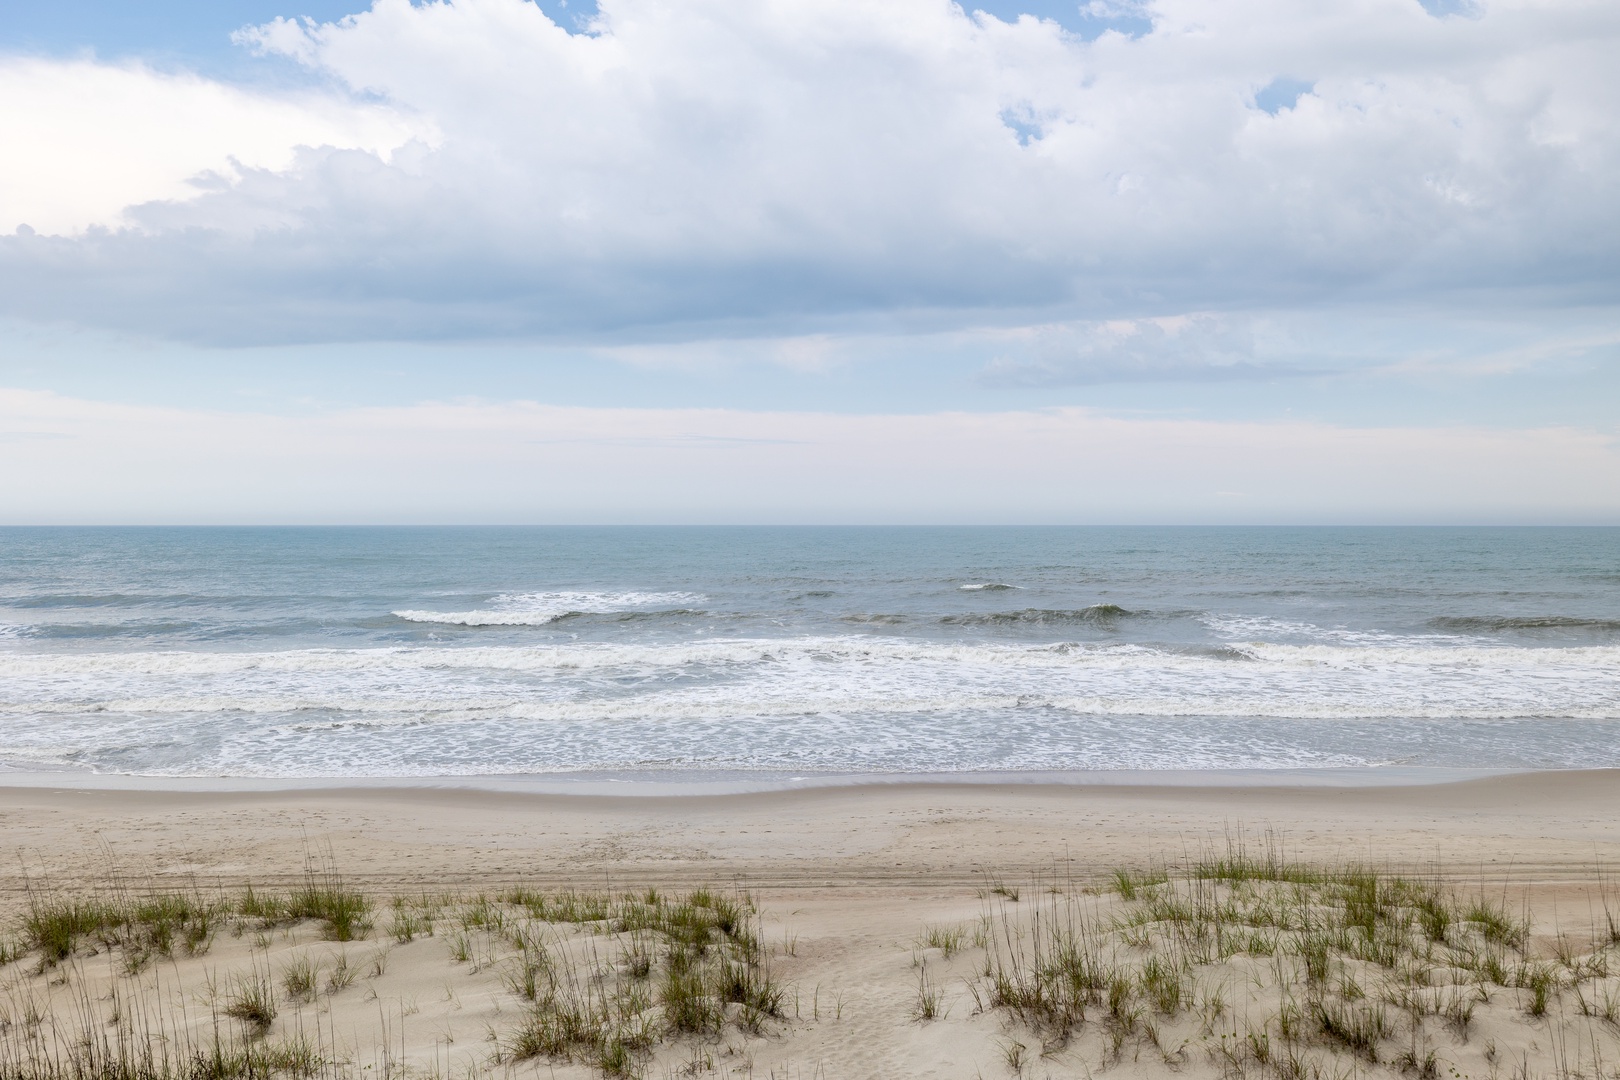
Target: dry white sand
column 1535, row 827
column 847, row 880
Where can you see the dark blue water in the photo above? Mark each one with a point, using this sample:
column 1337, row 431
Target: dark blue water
column 379, row 652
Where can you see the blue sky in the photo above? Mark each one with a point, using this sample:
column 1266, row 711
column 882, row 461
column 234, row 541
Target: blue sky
column 197, row 33
column 1314, row 219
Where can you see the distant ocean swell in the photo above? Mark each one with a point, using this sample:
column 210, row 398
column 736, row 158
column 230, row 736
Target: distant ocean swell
column 545, row 609
column 1499, row 623
column 541, row 610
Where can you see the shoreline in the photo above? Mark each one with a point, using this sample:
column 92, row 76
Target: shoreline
column 653, row 783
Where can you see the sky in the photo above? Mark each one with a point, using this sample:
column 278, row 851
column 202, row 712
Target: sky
column 810, row 261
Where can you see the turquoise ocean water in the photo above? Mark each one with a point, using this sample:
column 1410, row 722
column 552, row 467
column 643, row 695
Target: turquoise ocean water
column 500, row 652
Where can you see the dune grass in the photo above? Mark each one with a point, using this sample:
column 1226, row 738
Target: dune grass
column 600, row 978
column 1242, row 963
column 1343, row 967
column 145, row 925
column 663, row 968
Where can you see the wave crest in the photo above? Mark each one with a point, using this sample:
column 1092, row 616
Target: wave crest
column 538, row 609
column 1499, row 623
column 1096, row 614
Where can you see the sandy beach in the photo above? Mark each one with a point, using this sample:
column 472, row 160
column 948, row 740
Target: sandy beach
column 1532, row 827
column 850, row 886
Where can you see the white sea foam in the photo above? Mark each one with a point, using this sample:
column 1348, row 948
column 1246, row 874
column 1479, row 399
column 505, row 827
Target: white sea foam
column 817, row 701
column 988, row 586
column 776, row 679
column 1260, row 629
column 1595, row 660
column 538, row 609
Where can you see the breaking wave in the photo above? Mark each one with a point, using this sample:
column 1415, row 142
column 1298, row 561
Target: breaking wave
column 806, row 702
column 538, row 609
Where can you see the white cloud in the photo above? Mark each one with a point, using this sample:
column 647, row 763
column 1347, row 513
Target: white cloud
column 732, row 167
column 521, row 462
column 84, row 141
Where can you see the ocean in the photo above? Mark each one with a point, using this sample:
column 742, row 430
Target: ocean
column 804, row 652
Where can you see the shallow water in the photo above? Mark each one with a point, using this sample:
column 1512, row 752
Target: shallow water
column 429, row 652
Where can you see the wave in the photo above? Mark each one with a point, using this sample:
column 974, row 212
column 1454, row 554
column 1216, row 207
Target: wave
column 584, row 656
column 831, row 651
column 989, row 586
column 90, row 631
column 539, row 609
column 701, row 706
column 1096, row 614
column 100, row 600
column 633, row 616
column 1500, row 623
column 1242, row 629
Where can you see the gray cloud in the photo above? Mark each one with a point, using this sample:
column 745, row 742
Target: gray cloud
column 798, row 167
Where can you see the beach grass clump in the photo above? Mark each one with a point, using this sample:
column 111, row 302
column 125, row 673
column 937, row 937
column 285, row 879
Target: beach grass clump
column 343, row 912
column 649, row 968
column 1238, row 864
column 252, row 1000
column 1541, row 980
column 1359, row 1027
column 55, row 926
column 1496, row 924
column 300, row 978
column 689, row 1008
column 947, row 939
column 563, row 906
column 409, row 923
column 1129, row 882
column 1344, row 964
column 1164, row 984
column 929, row 1005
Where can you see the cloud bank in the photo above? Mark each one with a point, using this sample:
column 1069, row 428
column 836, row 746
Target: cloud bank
column 75, row 461
column 717, row 167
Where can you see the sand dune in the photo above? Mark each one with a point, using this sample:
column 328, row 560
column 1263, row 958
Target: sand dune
column 866, row 903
